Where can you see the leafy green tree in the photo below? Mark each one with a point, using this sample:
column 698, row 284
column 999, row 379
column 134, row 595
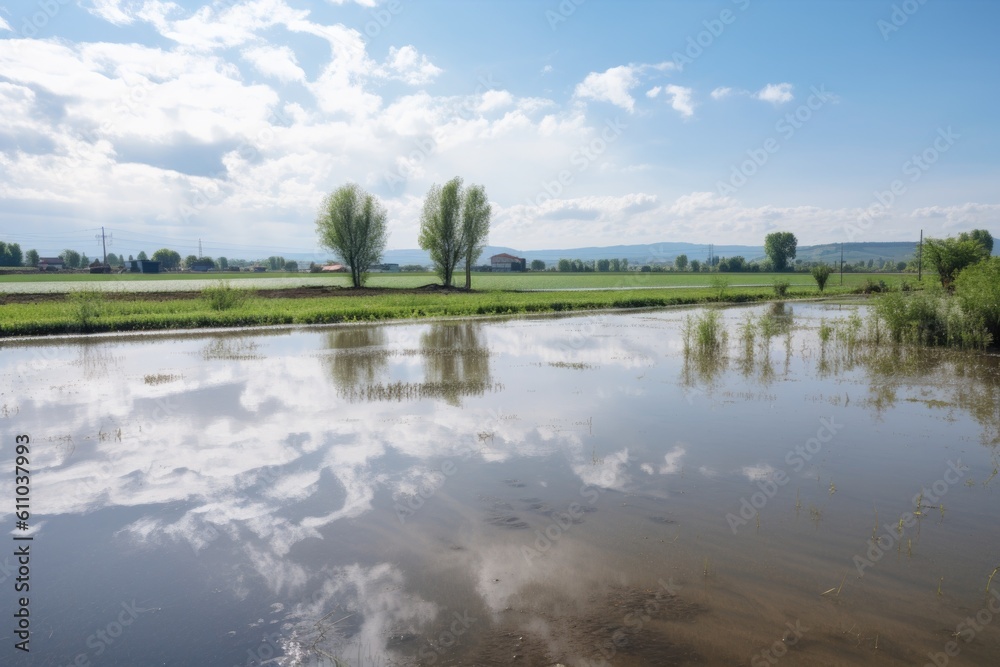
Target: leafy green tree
column 454, row 226
column 84, row 261
column 603, row 265
column 352, row 224
column 681, row 262
column 113, row 259
column 10, row 254
column 695, row 265
column 780, row 247
column 223, row 263
column 71, row 258
column 537, row 265
column 476, row 216
column 821, row 274
column 168, row 259
column 978, row 290
column 949, row 256
column 291, row 266
column 31, row 258
column 980, row 235
column 142, row 256
column 190, row 260
column 624, row 264
column 441, row 230
column 565, row 266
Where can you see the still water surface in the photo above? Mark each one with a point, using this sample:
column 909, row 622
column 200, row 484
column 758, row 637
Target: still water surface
column 523, row 492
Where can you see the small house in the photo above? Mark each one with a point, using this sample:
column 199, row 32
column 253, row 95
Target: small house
column 202, row 265
column 334, row 268
column 142, row 266
column 51, row 263
column 505, row 262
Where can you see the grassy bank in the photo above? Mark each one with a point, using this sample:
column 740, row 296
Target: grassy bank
column 90, row 312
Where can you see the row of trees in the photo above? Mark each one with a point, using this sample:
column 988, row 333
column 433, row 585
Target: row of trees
column 11, row 255
column 454, row 227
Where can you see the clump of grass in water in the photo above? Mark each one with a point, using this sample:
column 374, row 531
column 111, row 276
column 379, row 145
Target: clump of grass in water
column 704, row 334
column 927, row 318
column 226, row 297
column 780, row 287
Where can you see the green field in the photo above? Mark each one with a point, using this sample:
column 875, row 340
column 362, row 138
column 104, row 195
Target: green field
column 90, row 313
column 40, row 283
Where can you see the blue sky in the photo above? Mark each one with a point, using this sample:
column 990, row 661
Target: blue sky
column 589, row 122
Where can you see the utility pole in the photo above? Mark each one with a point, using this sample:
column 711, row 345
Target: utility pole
column 920, row 258
column 104, row 244
column 841, row 263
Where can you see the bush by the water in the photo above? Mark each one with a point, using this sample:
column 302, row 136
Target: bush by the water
column 226, row 297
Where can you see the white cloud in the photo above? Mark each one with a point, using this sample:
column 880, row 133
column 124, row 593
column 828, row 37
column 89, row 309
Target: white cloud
column 408, row 65
column 963, row 215
column 112, row 11
column 495, row 99
column 653, row 92
column 721, row 93
column 275, row 61
column 775, row 93
column 680, row 99
column 672, row 460
column 613, row 85
column 5, row 26
column 547, row 69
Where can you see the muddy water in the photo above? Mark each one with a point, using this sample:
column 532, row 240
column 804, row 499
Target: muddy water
column 527, row 492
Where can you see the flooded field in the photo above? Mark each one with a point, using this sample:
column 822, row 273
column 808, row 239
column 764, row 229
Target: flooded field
column 592, row 490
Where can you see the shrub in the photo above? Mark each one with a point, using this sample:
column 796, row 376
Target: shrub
column 226, row 297
column 977, row 289
column 780, row 287
column 821, row 274
column 871, row 286
column 85, row 306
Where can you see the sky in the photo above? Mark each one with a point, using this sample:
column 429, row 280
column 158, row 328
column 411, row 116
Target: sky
column 589, row 122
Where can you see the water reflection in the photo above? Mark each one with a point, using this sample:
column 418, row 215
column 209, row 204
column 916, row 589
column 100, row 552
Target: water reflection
column 271, row 469
column 456, row 359
column 357, row 356
column 455, row 355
